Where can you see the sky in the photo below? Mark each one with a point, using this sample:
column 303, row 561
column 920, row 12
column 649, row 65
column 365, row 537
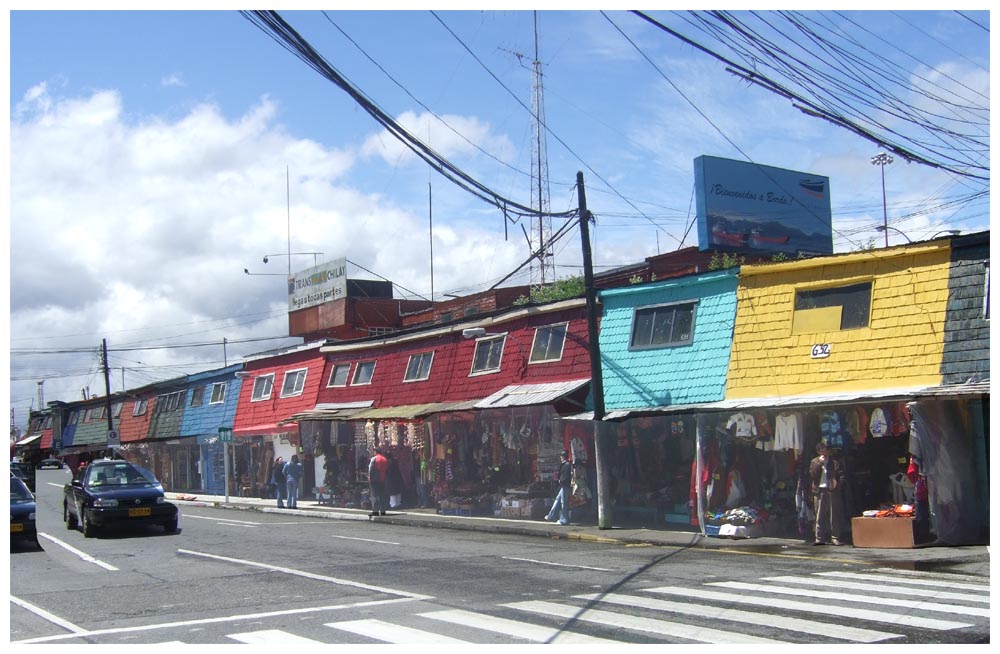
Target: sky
column 155, row 156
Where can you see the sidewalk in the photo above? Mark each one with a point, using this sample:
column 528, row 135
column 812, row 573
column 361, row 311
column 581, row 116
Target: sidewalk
column 970, row 559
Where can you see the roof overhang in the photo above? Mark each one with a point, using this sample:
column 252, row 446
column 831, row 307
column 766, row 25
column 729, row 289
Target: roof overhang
column 269, row 429
column 330, row 411
column 530, row 394
column 28, row 440
column 413, row 411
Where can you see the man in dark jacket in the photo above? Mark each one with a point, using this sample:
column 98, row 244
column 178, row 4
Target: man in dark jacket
column 293, row 474
column 565, row 479
column 827, row 475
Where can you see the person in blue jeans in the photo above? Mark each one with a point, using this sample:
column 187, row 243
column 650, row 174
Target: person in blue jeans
column 293, row 473
column 278, row 479
column 565, row 479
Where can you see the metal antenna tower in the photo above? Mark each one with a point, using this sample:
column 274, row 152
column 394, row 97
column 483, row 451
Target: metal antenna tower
column 542, row 268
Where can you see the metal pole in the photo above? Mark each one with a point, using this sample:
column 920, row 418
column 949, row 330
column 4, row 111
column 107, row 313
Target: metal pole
column 225, row 464
column 107, row 387
column 885, row 215
column 604, row 517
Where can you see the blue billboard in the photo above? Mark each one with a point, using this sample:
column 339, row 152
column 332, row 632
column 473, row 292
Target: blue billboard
column 745, row 206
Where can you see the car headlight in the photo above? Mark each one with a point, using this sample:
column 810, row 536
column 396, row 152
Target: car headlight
column 161, row 500
column 105, row 503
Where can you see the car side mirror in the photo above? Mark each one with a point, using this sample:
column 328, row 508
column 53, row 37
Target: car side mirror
column 77, row 483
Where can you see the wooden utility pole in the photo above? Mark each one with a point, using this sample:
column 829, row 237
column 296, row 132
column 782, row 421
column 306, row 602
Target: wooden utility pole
column 107, row 388
column 604, row 517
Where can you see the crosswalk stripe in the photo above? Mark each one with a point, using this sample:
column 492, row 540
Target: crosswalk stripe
column 906, row 579
column 896, row 619
column 637, row 623
column 811, row 627
column 388, row 632
column 864, row 599
column 880, row 588
column 945, row 576
column 524, row 630
column 271, row 637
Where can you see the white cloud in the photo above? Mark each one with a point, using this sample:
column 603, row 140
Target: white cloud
column 450, row 136
column 174, row 79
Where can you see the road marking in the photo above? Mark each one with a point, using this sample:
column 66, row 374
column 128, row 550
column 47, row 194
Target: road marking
column 976, row 579
column 896, row 619
column 42, row 613
column 659, row 627
column 916, row 580
column 388, row 632
column 880, row 588
column 561, row 565
column 524, row 630
column 238, row 522
column 848, row 597
column 367, row 540
column 202, row 621
column 83, row 555
column 308, row 575
column 748, row 617
column 272, row 637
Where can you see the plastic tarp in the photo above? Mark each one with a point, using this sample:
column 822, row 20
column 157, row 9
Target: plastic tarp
column 942, row 437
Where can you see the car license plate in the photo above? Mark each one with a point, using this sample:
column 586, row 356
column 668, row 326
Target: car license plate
column 16, row 526
column 139, row 513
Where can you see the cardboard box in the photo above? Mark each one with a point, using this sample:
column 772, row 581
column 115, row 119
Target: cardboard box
column 882, row 532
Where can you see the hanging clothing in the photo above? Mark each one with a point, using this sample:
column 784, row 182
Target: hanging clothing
column 788, row 432
column 746, row 427
column 879, row 426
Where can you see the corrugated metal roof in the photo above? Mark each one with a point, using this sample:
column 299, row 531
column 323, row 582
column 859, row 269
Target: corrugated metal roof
column 330, row 411
column 530, row 394
column 411, row 411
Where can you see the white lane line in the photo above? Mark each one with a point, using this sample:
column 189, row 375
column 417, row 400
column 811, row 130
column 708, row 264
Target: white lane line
column 367, row 540
column 896, row 619
column 635, row 623
column 977, row 580
column 227, row 618
column 83, row 555
column 850, row 597
column 308, row 575
column 524, row 630
column 943, row 582
column 561, row 565
column 42, row 613
column 388, row 632
column 272, row 637
column 239, row 522
column 813, row 627
column 880, row 588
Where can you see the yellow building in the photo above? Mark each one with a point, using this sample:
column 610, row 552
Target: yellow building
column 851, row 323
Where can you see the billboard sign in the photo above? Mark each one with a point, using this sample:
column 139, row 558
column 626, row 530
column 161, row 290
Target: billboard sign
column 319, row 284
column 750, row 207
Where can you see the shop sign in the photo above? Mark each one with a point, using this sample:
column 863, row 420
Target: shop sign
column 820, row 351
column 225, row 435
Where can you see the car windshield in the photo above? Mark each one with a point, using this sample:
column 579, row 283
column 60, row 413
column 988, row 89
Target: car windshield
column 19, row 492
column 119, row 473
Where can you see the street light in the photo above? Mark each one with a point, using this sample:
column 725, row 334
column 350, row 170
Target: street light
column 885, row 228
column 881, row 159
column 949, row 232
column 289, row 254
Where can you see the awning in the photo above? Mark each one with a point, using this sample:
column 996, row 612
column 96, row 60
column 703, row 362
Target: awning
column 330, row 411
column 531, row 394
column 270, row 429
column 413, row 411
column 28, row 440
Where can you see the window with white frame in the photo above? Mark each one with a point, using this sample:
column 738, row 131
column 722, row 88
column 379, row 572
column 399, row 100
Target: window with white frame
column 88, row 415
column 48, row 423
column 295, row 381
column 548, row 344
column 116, row 409
column 339, row 375
column 262, row 387
column 73, row 418
column 663, row 325
column 218, row 393
column 419, row 367
column 140, row 407
column 197, row 395
column 101, row 413
column 489, row 352
column 363, row 373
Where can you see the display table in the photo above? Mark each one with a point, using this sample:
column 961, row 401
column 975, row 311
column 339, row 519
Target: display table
column 892, row 532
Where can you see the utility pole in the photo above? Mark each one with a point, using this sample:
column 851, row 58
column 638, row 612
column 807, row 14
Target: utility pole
column 604, row 518
column 107, row 389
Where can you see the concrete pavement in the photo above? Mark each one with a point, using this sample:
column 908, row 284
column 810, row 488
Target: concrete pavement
column 969, row 559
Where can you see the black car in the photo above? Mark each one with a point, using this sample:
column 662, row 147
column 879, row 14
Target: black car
column 22, row 512
column 50, row 464
column 25, row 473
column 116, row 492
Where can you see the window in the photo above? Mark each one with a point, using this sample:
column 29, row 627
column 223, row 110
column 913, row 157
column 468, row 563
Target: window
column 262, row 387
column 88, row 415
column 488, row 354
column 295, row 380
column 548, row 343
column 364, row 372
column 419, row 367
column 73, row 417
column 140, row 407
column 48, row 423
column 380, row 331
column 101, row 413
column 339, row 374
column 218, row 393
column 830, row 309
column 197, row 395
column 663, row 325
column 168, row 401
column 116, row 409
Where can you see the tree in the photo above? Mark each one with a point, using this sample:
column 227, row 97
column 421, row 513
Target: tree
column 561, row 289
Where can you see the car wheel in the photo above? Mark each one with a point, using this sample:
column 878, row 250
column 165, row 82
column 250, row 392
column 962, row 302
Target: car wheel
column 170, row 527
column 89, row 530
column 68, row 517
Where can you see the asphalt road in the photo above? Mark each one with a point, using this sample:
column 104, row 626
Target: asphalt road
column 231, row 576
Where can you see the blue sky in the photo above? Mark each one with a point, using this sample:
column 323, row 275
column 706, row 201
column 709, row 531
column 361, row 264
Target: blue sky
column 149, row 152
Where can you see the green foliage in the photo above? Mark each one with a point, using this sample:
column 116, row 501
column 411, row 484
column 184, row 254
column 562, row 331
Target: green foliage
column 560, row 289
column 723, row 260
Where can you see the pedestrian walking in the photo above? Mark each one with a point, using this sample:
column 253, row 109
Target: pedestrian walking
column 922, row 509
column 278, row 480
column 565, row 479
column 394, row 483
column 378, row 467
column 293, row 473
column 827, row 475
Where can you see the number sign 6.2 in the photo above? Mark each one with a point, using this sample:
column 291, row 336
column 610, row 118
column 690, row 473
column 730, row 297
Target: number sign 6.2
column 820, row 351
